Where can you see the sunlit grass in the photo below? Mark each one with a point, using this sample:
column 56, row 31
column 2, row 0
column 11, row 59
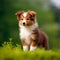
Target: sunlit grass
column 10, row 52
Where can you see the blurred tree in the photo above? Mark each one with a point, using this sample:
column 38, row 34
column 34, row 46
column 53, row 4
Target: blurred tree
column 3, row 31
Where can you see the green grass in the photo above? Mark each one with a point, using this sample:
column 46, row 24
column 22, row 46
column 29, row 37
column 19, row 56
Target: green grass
column 10, row 52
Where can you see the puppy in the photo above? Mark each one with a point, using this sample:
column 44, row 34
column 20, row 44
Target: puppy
column 31, row 36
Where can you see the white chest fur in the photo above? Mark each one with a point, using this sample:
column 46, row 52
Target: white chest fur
column 25, row 34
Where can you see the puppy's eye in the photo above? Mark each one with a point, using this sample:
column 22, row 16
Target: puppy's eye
column 27, row 18
column 21, row 19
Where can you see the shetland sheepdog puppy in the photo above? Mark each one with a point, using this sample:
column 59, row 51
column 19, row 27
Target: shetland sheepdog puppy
column 31, row 36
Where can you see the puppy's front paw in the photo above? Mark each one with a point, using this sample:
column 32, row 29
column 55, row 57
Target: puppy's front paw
column 25, row 48
column 32, row 48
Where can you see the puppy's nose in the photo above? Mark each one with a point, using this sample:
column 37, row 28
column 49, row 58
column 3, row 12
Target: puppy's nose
column 24, row 23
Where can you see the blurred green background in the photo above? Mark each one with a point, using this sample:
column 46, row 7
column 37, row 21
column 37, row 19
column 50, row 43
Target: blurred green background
column 9, row 24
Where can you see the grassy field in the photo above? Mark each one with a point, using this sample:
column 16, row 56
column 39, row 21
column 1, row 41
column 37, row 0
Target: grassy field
column 10, row 52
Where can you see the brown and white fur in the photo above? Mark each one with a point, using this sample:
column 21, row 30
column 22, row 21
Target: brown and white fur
column 31, row 36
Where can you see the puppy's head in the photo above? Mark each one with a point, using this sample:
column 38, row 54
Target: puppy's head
column 26, row 18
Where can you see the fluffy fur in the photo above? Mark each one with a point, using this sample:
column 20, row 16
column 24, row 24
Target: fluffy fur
column 31, row 36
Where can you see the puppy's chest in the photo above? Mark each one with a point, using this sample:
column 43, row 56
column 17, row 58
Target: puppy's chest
column 25, row 33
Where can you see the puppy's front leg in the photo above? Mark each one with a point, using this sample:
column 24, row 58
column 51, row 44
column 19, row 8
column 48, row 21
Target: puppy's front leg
column 33, row 45
column 25, row 45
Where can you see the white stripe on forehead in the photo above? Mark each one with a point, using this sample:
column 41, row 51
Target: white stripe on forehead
column 25, row 14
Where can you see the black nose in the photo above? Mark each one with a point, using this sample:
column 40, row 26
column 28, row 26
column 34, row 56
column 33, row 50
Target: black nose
column 24, row 23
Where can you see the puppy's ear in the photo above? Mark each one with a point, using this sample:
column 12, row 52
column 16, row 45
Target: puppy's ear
column 32, row 13
column 18, row 14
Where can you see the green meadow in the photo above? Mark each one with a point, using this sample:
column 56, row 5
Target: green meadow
column 10, row 52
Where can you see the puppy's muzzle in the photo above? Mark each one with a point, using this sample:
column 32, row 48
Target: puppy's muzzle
column 24, row 23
